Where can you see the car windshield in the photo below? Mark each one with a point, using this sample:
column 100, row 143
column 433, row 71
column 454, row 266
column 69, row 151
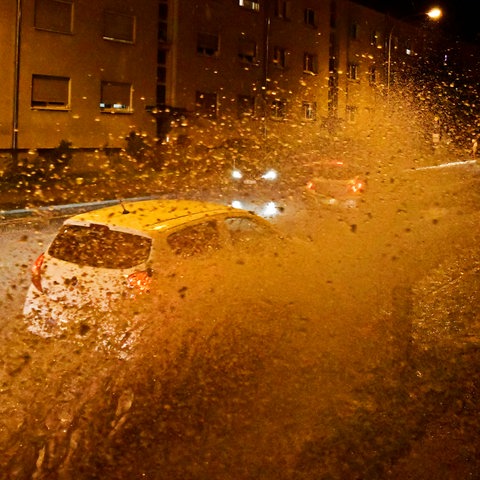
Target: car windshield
column 239, row 240
column 99, row 246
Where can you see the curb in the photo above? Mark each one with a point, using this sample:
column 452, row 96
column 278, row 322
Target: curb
column 53, row 213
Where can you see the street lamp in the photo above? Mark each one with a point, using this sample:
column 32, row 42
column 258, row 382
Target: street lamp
column 434, row 13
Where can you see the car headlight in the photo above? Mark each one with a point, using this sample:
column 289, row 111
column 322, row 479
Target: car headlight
column 237, row 174
column 237, row 204
column 270, row 210
column 270, row 175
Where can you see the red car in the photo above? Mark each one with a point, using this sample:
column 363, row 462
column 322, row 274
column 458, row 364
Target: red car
column 334, row 183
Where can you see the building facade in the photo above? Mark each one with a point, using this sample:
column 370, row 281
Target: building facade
column 201, row 70
column 77, row 71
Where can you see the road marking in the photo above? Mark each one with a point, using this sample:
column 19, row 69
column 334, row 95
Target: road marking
column 446, row 165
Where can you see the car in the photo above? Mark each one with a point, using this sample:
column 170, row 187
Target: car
column 255, row 186
column 334, row 183
column 102, row 258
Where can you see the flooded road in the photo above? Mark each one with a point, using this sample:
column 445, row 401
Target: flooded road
column 367, row 369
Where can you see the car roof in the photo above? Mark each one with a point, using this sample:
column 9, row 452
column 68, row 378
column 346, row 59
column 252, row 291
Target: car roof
column 151, row 215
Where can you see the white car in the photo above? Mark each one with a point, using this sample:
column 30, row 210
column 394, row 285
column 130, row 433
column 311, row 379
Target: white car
column 101, row 258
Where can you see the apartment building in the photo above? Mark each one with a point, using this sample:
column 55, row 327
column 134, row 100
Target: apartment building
column 253, row 67
column 76, row 70
column 201, row 70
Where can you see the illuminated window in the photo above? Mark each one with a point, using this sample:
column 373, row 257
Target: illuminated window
column 207, row 44
column 118, row 27
column 54, row 15
column 250, row 4
column 50, row 92
column 116, row 97
column 206, row 104
column 408, row 47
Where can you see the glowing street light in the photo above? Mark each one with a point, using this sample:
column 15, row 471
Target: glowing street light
column 434, row 13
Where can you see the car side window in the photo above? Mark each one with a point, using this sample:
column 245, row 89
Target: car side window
column 242, row 230
column 195, row 240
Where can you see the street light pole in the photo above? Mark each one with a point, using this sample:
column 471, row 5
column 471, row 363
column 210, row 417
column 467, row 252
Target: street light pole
column 389, row 59
column 16, row 80
column 434, row 13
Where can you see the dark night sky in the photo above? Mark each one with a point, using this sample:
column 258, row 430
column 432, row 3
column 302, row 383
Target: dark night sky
column 460, row 18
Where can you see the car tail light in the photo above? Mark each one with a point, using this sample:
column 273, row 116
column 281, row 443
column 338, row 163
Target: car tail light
column 139, row 282
column 37, row 273
column 356, row 186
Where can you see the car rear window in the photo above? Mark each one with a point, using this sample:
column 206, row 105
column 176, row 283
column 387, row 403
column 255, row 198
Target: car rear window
column 98, row 246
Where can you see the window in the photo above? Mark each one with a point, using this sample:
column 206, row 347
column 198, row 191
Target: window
column 277, row 109
column 207, row 44
column 116, row 97
column 161, row 66
column 97, row 245
column 54, row 15
column 333, row 14
column 310, row 17
column 163, row 21
column 246, row 106
column 50, row 92
column 372, row 76
column 247, row 50
column 375, row 39
column 119, row 27
column 353, row 71
column 282, row 9
column 195, row 240
column 408, row 47
column 161, row 76
column 206, row 104
column 250, row 4
column 332, row 64
column 310, row 110
column 351, row 113
column 354, row 31
column 310, row 63
column 279, row 57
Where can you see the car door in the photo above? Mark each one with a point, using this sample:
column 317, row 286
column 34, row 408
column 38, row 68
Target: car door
column 189, row 266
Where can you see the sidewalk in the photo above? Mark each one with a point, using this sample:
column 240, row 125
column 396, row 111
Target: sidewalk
column 72, row 195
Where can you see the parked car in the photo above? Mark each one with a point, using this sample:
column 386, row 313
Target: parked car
column 334, row 183
column 120, row 253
